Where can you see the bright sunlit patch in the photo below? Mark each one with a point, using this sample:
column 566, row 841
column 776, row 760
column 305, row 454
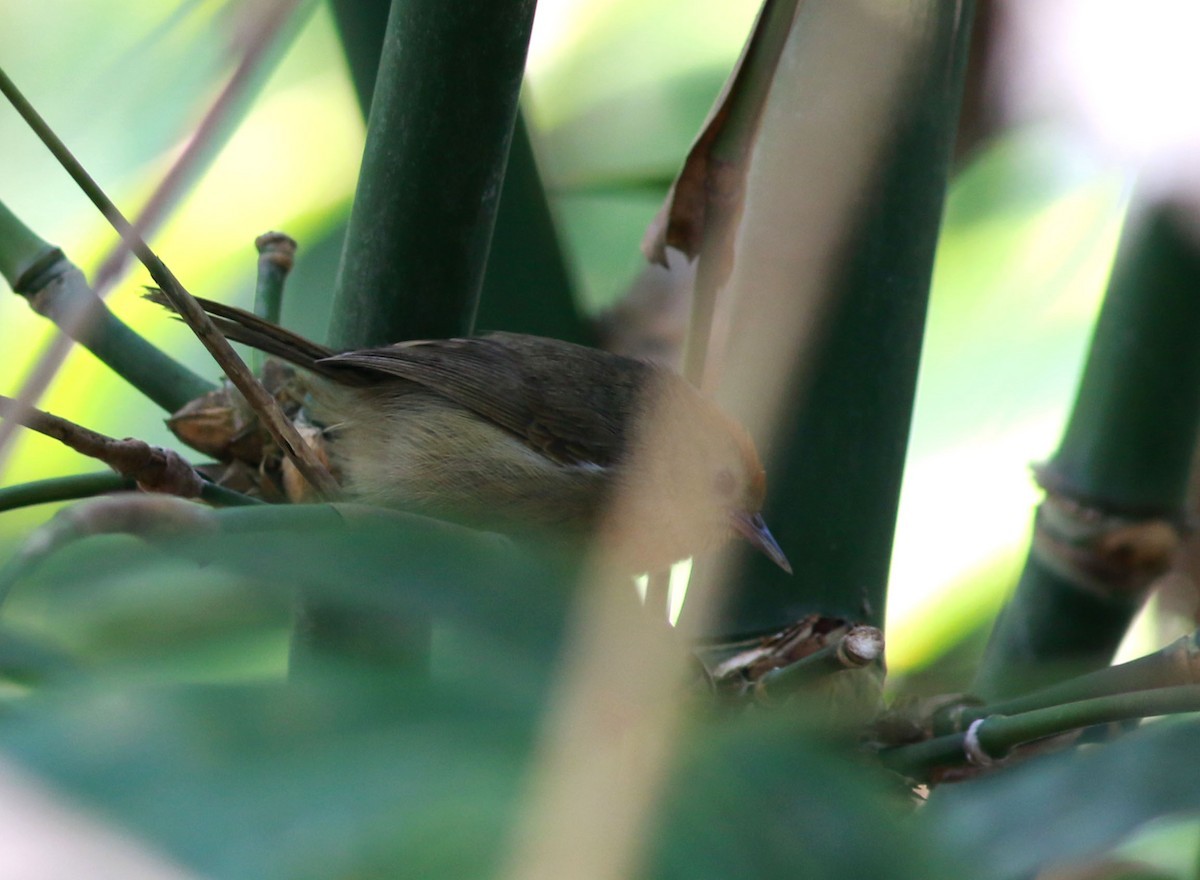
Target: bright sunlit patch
column 1021, row 266
column 1121, row 79
column 961, row 511
column 681, row 573
column 586, row 52
column 557, row 28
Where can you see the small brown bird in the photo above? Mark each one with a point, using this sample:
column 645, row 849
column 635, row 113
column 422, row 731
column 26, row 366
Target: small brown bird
column 514, row 433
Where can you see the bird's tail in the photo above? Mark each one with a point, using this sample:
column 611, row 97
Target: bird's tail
column 249, row 329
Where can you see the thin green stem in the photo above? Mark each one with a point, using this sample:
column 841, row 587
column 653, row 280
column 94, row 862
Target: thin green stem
column 857, row 648
column 77, row 486
column 996, row 735
column 56, row 289
column 276, row 256
column 1177, row 664
column 70, row 488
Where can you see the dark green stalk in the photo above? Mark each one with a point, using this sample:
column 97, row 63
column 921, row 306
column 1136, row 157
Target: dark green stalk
column 219, row 496
column 528, row 287
column 835, row 469
column 56, row 289
column 1117, row 484
column 442, row 112
column 433, row 165
column 998, row 734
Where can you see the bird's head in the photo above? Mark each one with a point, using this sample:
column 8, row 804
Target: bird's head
column 695, row 478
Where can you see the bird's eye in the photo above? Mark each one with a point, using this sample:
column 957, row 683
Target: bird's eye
column 723, row 482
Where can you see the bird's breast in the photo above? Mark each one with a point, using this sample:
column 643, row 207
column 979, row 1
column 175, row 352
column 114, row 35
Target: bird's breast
column 417, row 451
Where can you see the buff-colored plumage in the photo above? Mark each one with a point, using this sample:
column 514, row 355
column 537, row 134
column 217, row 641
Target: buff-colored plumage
column 522, row 434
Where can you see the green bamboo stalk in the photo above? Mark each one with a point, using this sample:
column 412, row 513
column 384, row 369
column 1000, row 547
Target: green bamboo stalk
column 442, row 112
column 527, row 286
column 834, row 472
column 56, row 289
column 1117, row 484
column 437, row 142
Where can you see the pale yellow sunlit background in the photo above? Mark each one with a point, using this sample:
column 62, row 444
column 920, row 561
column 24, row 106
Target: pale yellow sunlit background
column 1030, row 229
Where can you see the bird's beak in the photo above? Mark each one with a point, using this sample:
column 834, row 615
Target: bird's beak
column 751, row 527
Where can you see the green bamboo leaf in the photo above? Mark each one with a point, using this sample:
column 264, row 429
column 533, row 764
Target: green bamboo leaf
column 1057, row 809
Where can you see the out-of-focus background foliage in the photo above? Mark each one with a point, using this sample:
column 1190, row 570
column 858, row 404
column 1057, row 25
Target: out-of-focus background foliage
column 616, row 91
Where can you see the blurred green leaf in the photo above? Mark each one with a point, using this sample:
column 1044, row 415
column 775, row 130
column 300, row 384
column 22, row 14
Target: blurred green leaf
column 1060, row 808
column 288, row 781
column 387, row 779
column 760, row 799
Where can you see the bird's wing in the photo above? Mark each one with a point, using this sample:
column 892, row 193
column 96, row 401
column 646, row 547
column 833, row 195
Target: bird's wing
column 570, row 403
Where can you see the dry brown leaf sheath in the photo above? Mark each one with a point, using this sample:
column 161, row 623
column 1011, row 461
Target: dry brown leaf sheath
column 711, row 181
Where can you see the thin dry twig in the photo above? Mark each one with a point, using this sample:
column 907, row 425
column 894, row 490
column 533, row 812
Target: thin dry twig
column 154, row 468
